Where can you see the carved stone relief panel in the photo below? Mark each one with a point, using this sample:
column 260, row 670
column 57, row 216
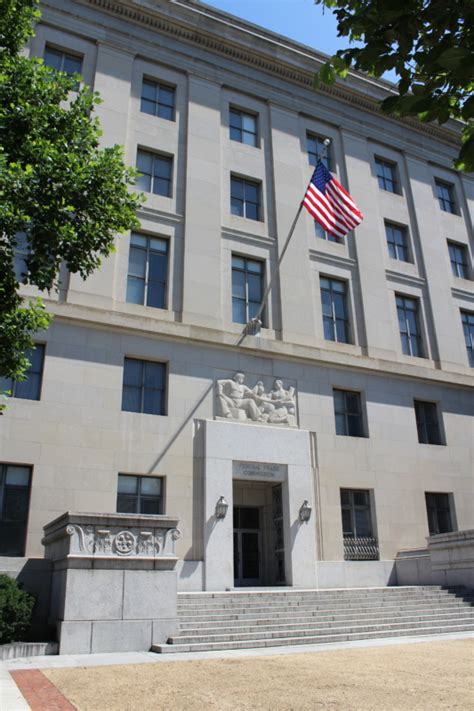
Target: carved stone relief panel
column 260, row 403
column 97, row 541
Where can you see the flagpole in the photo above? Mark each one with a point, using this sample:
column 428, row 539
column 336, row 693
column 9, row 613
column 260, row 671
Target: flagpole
column 252, row 327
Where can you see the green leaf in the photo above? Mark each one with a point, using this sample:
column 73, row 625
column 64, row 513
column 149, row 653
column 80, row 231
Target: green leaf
column 327, row 73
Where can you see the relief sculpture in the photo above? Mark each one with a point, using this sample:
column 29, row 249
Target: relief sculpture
column 236, row 401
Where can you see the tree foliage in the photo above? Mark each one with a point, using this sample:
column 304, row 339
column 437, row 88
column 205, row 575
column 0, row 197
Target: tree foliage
column 68, row 196
column 428, row 43
column 16, row 609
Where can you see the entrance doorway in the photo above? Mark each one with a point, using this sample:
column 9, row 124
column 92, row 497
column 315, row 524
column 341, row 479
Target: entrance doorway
column 259, row 548
column 247, row 546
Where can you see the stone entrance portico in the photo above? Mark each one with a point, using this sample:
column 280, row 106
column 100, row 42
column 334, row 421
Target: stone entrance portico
column 226, row 447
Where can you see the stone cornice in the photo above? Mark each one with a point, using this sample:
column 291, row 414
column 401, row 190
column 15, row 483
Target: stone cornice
column 261, row 346
column 261, row 59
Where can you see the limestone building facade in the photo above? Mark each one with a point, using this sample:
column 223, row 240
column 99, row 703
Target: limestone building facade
column 339, row 435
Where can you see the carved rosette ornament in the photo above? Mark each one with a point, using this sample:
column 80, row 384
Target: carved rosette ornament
column 125, row 542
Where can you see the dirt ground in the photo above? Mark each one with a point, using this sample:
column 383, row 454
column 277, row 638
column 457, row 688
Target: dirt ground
column 434, row 675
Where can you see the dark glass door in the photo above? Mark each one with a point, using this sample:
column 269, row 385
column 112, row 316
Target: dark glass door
column 247, row 569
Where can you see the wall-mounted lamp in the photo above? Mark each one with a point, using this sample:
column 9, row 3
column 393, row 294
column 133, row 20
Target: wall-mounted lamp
column 305, row 511
column 221, row 507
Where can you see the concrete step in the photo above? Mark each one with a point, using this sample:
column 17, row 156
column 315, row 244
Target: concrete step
column 290, row 601
column 448, row 611
column 314, row 630
column 306, row 623
column 321, row 639
column 257, row 619
column 320, row 592
column 231, row 612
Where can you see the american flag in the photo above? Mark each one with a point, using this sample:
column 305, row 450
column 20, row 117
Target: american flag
column 329, row 204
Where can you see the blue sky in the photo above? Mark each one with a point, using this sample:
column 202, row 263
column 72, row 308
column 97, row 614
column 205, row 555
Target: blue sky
column 301, row 20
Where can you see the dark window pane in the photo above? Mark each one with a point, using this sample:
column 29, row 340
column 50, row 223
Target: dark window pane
column 238, row 284
column 362, row 523
column 158, row 267
column 53, row 58
column 249, row 518
column 127, row 484
column 237, row 188
column 152, row 402
column 329, row 329
column 166, row 112
column 137, row 262
column 154, row 375
column 150, row 506
column 151, row 486
column 131, row 399
column 135, row 290
column 29, row 389
column 156, row 296
column 341, row 428
column 133, row 372
column 127, row 504
column 238, row 311
column 161, row 187
column 235, row 134
column 149, row 90
column 72, row 65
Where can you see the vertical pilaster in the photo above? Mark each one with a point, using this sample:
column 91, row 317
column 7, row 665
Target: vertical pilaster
column 296, row 294
column 202, row 298
column 369, row 247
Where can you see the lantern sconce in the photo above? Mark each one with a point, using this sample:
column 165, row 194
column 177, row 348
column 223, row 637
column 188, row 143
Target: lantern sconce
column 221, row 508
column 305, row 511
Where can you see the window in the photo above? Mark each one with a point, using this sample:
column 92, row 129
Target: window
column 20, row 255
column 334, row 305
column 243, row 127
column 245, row 198
column 322, row 234
column 408, row 321
column 397, row 242
column 439, row 513
column 29, row 389
column 316, row 148
column 386, row 175
column 63, row 62
column 158, row 99
column 445, row 193
column 247, row 288
column 359, row 541
column 467, row 319
column 139, row 494
column 427, row 422
column 348, row 413
column 147, row 271
column 156, row 173
column 144, row 387
column 355, row 509
column 14, row 505
column 458, row 257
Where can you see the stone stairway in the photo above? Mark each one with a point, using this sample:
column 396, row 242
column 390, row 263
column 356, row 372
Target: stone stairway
column 271, row 618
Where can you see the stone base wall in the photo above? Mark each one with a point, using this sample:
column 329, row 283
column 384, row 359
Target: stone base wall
column 114, row 584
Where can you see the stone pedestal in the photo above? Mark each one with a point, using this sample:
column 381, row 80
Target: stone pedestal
column 452, row 558
column 113, row 581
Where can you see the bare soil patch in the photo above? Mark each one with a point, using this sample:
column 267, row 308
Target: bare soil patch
column 435, row 675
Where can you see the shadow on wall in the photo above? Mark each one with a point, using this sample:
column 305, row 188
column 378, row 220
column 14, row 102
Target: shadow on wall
column 34, row 576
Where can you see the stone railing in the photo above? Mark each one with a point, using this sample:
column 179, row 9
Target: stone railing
column 361, row 548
